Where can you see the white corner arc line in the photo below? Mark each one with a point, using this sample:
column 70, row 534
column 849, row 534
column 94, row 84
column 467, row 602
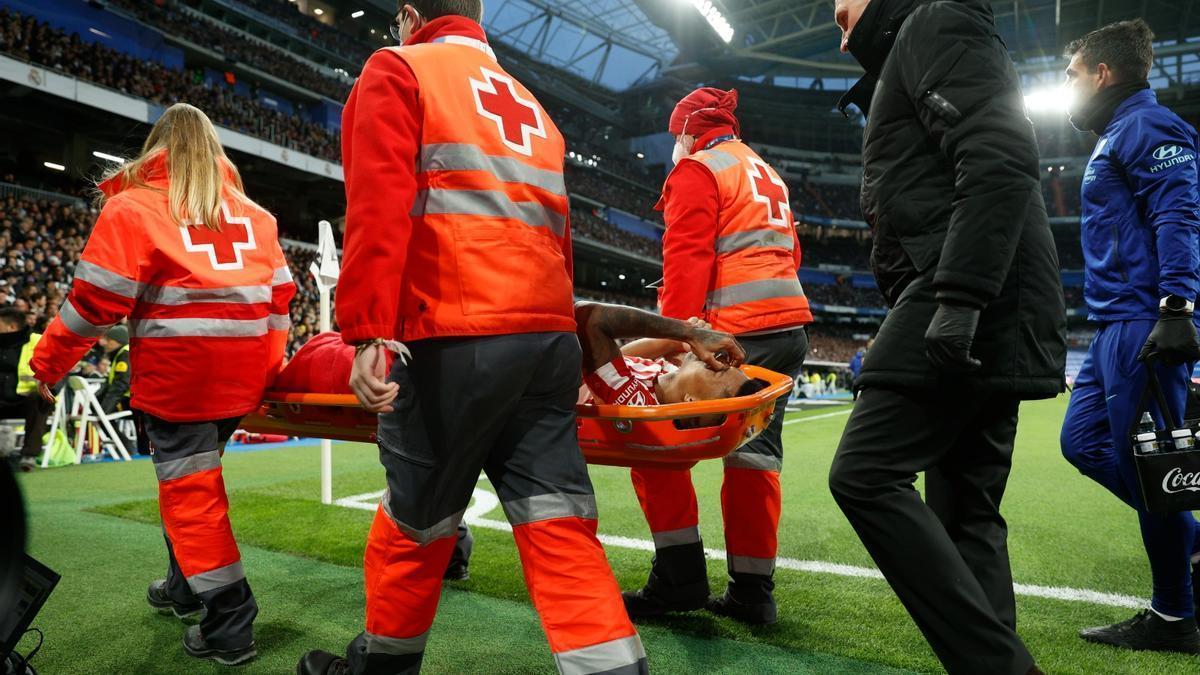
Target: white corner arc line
column 483, row 502
column 819, row 417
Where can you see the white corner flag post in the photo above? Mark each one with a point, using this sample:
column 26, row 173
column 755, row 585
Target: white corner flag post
column 325, row 270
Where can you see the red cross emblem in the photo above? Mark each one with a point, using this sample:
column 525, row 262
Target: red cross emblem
column 769, row 189
column 224, row 247
column 517, row 118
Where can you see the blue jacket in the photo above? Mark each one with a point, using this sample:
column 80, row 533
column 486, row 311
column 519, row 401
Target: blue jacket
column 1140, row 219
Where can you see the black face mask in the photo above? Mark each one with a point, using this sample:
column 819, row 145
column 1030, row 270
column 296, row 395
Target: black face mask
column 1094, row 114
column 870, row 43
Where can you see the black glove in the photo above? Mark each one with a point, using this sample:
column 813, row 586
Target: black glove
column 1173, row 340
column 948, row 340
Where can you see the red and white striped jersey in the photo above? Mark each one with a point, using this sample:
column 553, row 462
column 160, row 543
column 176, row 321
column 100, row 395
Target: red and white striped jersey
column 208, row 310
column 627, row 380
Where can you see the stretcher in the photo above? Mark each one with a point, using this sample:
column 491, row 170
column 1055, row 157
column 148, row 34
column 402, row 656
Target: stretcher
column 662, row 436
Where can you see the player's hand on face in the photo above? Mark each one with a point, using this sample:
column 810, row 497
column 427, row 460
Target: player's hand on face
column 719, row 350
column 368, row 380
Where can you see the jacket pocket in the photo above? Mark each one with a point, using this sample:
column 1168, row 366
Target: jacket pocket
column 510, row 269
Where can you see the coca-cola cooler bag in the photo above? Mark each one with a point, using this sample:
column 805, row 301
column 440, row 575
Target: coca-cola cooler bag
column 1170, row 480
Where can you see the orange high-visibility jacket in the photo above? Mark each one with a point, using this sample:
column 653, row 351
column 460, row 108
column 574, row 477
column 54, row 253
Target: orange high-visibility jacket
column 754, row 284
column 208, row 310
column 484, row 248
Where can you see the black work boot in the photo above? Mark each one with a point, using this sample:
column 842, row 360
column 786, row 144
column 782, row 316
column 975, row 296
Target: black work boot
column 158, row 598
column 1148, row 631
column 196, row 646
column 318, row 662
column 753, row 614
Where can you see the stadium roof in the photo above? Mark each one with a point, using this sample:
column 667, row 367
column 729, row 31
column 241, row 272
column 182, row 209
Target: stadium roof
column 619, row 44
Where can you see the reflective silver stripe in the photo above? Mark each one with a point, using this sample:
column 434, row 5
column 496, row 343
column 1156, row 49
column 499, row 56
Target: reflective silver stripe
column 463, row 157
column 717, row 160
column 548, row 506
column 174, row 295
column 751, row 460
column 746, row 565
column 754, row 239
column 178, row 468
column 446, row 527
column 379, row 644
column 605, row 657
column 158, row 328
column 77, row 324
column 109, row 281
column 685, row 535
column 279, row 321
column 282, row 275
column 763, row 289
column 218, row 578
column 487, row 203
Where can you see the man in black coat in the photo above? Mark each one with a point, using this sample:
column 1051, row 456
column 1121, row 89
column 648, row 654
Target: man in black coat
column 964, row 256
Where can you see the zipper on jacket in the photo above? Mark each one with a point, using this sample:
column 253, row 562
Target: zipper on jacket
column 1117, row 253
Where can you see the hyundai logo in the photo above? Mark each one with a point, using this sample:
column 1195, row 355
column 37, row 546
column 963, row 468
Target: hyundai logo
column 1167, row 152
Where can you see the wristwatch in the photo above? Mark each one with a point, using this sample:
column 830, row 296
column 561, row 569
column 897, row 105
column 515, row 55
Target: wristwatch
column 1176, row 304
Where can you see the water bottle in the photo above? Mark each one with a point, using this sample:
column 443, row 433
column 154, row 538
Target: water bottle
column 1146, row 438
column 1182, row 439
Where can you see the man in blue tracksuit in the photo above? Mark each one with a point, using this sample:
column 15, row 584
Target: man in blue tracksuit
column 1140, row 225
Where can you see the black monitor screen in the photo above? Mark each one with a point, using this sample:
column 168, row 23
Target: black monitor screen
column 37, row 582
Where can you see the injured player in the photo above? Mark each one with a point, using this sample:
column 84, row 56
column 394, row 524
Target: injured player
column 673, row 362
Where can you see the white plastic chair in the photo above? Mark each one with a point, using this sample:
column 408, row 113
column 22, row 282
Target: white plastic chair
column 92, row 412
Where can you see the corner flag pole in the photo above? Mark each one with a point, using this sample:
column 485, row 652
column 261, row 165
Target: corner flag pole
column 325, row 271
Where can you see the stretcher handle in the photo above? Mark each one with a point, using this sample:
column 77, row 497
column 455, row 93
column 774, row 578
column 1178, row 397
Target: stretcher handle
column 1155, row 387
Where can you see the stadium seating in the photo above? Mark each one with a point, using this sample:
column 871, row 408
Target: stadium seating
column 28, row 39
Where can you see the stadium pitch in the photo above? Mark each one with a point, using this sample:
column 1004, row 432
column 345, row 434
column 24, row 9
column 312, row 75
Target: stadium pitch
column 1076, row 556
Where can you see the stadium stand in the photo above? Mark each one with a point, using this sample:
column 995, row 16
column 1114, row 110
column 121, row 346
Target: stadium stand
column 235, row 46
column 29, row 39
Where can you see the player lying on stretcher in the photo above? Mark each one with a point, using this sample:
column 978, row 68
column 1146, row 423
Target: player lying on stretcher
column 674, row 362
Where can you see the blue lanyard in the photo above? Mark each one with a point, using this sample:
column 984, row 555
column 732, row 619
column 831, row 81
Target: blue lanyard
column 718, row 140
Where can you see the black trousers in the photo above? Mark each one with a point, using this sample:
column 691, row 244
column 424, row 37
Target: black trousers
column 945, row 557
column 36, row 412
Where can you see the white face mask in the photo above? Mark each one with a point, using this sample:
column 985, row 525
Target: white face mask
column 679, row 152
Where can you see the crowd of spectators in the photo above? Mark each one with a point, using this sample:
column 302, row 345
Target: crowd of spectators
column 825, row 200
column 844, row 293
column 327, row 37
column 235, row 47
column 835, row 342
column 594, row 184
column 588, row 225
column 31, row 40
column 818, row 247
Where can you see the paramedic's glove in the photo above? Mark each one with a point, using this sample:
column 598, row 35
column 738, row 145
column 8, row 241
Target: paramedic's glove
column 719, row 350
column 1173, row 339
column 948, row 340
column 368, row 378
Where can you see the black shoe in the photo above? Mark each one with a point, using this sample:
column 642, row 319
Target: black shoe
column 195, row 645
column 1148, row 631
column 1196, row 589
column 157, row 596
column 456, row 572
column 318, row 662
column 644, row 603
column 757, row 614
column 28, row 464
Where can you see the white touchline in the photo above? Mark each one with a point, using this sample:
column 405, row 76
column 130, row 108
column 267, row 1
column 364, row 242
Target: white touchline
column 819, row 417
column 484, row 502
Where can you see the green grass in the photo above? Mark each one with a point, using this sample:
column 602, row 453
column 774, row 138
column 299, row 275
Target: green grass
column 98, row 526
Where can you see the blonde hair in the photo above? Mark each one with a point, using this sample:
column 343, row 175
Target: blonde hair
column 201, row 175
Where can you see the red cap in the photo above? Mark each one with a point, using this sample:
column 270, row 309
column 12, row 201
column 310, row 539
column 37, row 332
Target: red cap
column 704, row 110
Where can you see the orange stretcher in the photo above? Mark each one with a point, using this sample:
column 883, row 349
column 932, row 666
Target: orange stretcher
column 634, row 436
